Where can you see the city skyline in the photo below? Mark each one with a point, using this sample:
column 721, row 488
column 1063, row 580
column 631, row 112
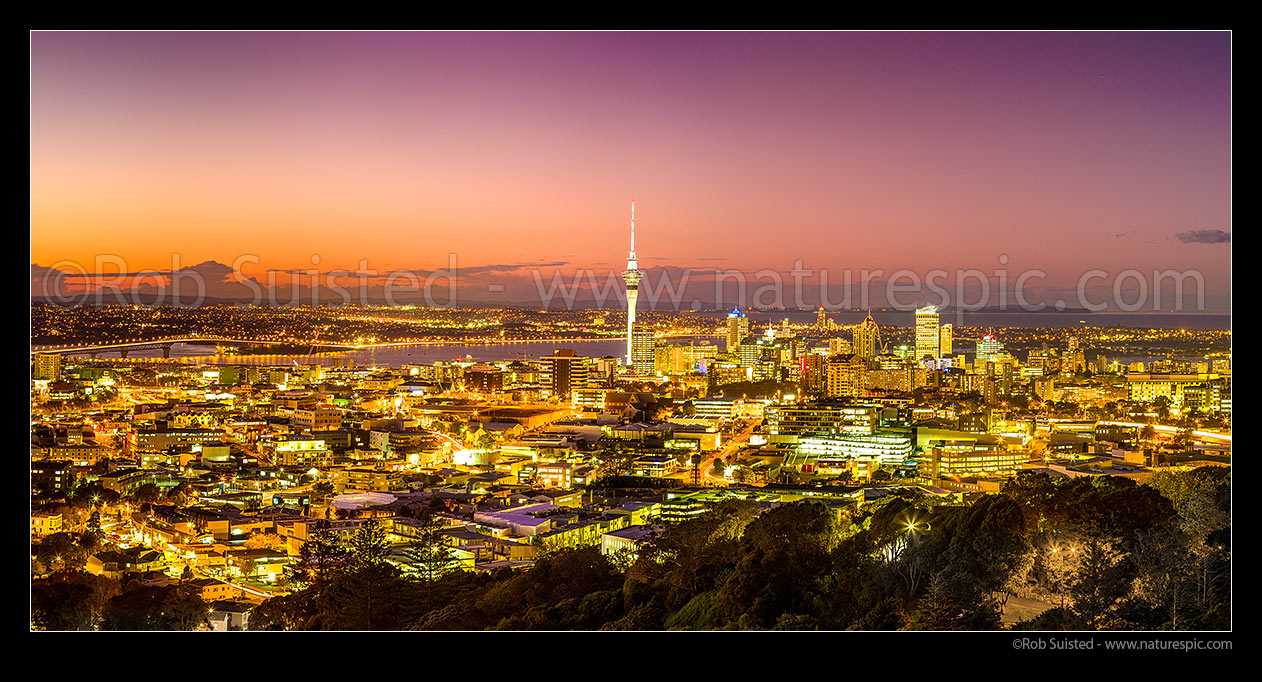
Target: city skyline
column 920, row 332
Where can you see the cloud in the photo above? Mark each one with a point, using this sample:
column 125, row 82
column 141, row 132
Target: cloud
column 1204, row 237
column 508, row 267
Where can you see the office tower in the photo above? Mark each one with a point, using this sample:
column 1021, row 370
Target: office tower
column 927, row 335
column 694, row 354
column 564, row 371
column 865, row 338
column 988, row 347
column 820, row 323
column 813, row 372
column 759, row 358
column 846, row 376
column 737, row 329
column 667, row 359
column 839, row 345
column 632, row 278
column 945, row 339
column 47, row 366
column 642, row 350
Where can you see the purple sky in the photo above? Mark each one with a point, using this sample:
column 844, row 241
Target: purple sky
column 1066, row 152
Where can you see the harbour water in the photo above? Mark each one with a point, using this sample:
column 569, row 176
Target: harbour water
column 424, row 354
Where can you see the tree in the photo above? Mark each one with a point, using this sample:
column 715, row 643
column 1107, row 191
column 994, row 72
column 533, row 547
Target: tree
column 288, row 612
column 60, row 605
column 156, row 608
column 91, row 538
column 147, row 493
column 1102, row 578
column 429, row 550
column 368, row 547
column 266, row 541
column 321, row 557
column 61, row 550
column 369, row 596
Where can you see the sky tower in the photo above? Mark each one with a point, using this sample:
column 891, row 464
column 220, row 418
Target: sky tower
column 632, row 278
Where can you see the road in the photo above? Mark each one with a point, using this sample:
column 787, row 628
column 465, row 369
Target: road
column 707, row 464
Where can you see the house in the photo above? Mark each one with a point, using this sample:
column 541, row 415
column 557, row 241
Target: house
column 212, row 589
column 627, row 539
column 113, row 564
column 262, row 563
column 46, row 523
column 230, row 615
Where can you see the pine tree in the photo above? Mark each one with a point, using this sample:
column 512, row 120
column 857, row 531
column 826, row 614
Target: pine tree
column 321, row 557
column 369, row 548
column 429, row 550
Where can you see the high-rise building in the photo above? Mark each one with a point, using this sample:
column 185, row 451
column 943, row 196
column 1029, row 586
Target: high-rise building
column 47, row 366
column 845, row 376
column 945, row 339
column 737, row 329
column 988, row 347
column 927, row 335
column 642, row 350
column 821, row 323
column 865, row 338
column 564, row 371
column 632, row 278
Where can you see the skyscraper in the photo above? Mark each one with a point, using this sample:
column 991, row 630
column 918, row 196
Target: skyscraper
column 927, row 335
column 988, row 347
column 845, row 376
column 865, row 338
column 47, row 366
column 642, row 350
column 563, row 372
column 947, row 335
column 632, row 278
column 737, row 329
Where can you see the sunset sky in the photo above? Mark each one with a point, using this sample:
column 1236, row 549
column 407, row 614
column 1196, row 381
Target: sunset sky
column 1064, row 151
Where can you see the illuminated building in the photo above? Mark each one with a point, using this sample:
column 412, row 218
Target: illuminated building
column 1045, row 388
column 928, row 337
column 845, row 376
column 54, row 477
column 681, row 358
column 865, row 338
column 841, row 451
column 642, row 350
column 813, row 372
column 821, row 323
column 787, row 422
column 757, row 358
column 988, row 347
column 945, row 338
column 946, row 462
column 725, row 408
column 47, row 366
column 484, row 379
column 303, row 452
column 1148, row 387
column 737, row 329
column 565, row 371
